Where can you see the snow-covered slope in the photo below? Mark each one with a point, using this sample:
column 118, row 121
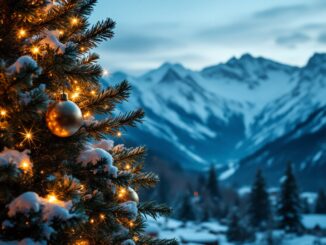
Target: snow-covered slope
column 230, row 111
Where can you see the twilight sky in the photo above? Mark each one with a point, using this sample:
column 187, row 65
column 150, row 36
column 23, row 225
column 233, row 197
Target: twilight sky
column 198, row 33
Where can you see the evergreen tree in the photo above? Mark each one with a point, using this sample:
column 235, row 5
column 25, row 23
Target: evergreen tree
column 259, row 203
column 238, row 232
column 212, row 183
column 186, row 209
column 62, row 180
column 289, row 203
column 321, row 203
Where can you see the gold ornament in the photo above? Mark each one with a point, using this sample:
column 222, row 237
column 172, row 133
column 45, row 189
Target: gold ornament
column 128, row 194
column 64, row 118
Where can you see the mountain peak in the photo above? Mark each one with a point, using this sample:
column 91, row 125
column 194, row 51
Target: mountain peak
column 317, row 59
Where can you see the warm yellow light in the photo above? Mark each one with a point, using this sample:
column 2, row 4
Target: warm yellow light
column 119, row 134
column 136, row 238
column 3, row 113
column 61, row 32
column 91, row 221
column 93, row 92
column 131, row 224
column 21, row 33
column 102, row 216
column 74, row 95
column 82, row 49
column 25, row 165
column 52, row 198
column 29, row 136
column 122, row 192
column 35, row 50
column 82, row 242
column 87, row 114
column 74, row 21
column 128, row 167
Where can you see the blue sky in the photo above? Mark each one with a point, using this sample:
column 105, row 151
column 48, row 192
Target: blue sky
column 198, row 33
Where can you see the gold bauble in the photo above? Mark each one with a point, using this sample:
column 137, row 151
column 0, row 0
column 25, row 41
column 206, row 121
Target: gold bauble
column 64, row 118
column 132, row 195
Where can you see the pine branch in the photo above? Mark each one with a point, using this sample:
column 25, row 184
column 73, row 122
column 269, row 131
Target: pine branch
column 101, row 31
column 146, row 240
column 86, row 7
column 130, row 156
column 113, row 124
column 106, row 100
column 146, row 180
column 154, row 210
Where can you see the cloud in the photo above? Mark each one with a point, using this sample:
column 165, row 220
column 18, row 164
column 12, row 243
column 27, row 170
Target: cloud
column 322, row 38
column 133, row 43
column 292, row 40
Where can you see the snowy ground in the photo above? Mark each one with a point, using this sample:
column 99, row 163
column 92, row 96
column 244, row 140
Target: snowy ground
column 213, row 233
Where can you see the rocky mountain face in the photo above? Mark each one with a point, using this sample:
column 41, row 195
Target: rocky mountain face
column 244, row 114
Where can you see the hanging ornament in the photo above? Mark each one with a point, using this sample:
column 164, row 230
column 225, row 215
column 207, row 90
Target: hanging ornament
column 128, row 194
column 64, row 118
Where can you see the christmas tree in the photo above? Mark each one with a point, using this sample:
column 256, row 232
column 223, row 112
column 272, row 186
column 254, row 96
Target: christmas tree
column 289, row 207
column 63, row 181
column 259, row 204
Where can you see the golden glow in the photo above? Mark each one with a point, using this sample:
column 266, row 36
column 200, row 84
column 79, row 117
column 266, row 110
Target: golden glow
column 87, row 115
column 75, row 95
column 3, row 112
column 61, row 32
column 35, row 50
column 122, row 192
column 91, row 221
column 82, row 49
column 102, row 216
column 74, row 21
column 52, row 198
column 25, row 165
column 119, row 134
column 128, row 167
column 131, row 224
column 93, row 92
column 22, row 33
column 136, row 238
column 82, row 242
column 27, row 135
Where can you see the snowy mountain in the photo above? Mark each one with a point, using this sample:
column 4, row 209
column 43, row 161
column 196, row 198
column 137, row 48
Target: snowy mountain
column 244, row 113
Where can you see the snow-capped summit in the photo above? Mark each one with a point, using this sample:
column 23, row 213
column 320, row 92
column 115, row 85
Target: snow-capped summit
column 232, row 111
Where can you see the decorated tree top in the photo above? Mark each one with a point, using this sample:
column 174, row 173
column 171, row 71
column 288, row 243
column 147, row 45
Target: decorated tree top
column 62, row 178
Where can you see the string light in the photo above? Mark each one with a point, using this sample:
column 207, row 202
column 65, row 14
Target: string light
column 28, row 136
column 74, row 21
column 22, row 33
column 128, row 167
column 3, row 113
column 87, row 115
column 82, row 49
column 82, row 242
column 25, row 166
column 102, row 216
column 119, row 134
column 105, row 73
column 74, row 95
column 35, row 50
column 93, row 92
column 91, row 221
column 61, row 32
column 51, row 198
column 122, row 192
column 131, row 224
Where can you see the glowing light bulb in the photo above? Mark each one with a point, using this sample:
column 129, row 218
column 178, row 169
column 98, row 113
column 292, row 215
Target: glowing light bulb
column 3, row 113
column 25, row 165
column 91, row 221
column 128, row 167
column 22, row 33
column 131, row 224
column 119, row 134
column 52, row 198
column 105, row 73
column 74, row 95
column 35, row 50
column 102, row 216
column 61, row 32
column 74, row 21
column 93, row 92
column 82, row 49
column 122, row 192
